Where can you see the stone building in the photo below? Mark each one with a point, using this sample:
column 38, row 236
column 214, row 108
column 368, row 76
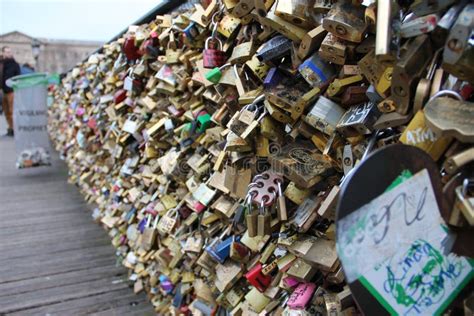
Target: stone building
column 55, row 56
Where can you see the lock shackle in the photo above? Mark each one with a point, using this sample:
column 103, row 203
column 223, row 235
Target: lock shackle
column 169, row 42
column 279, row 183
column 466, row 183
column 215, row 24
column 449, row 93
column 148, row 221
column 155, row 223
column 206, row 45
column 261, row 207
column 225, row 66
column 259, row 99
column 265, row 112
column 225, row 232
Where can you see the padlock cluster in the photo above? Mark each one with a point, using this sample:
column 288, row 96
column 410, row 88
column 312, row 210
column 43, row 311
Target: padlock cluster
column 214, row 139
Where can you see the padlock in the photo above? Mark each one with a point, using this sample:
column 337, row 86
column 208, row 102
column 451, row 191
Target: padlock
column 251, row 218
column 456, row 162
column 448, row 117
column 242, row 52
column 242, row 8
column 213, row 57
column 256, row 68
column 420, row 7
column 130, row 50
column 120, row 96
column 275, row 48
column 418, row 26
column 219, row 249
column 294, row 12
column 334, row 46
column 289, row 30
column 301, row 296
column 377, row 73
column 346, row 21
column 457, row 54
column 311, row 41
column 359, row 117
column 420, row 135
column 415, row 56
column 215, row 74
column 150, row 233
column 168, row 222
column 264, row 220
column 131, row 84
column 423, row 87
column 322, row 6
column 464, row 201
column 172, row 55
column 354, row 95
column 316, row 71
column 324, row 115
column 251, row 129
column 301, row 163
column 256, row 278
column 337, row 85
column 238, row 252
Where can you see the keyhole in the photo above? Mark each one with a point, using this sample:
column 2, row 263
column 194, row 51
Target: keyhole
column 341, row 30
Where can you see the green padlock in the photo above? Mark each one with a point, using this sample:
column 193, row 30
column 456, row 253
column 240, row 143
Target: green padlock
column 203, row 122
column 215, row 74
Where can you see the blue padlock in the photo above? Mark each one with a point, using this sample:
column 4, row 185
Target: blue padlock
column 192, row 32
column 273, row 78
column 316, row 71
column 178, row 297
column 219, row 249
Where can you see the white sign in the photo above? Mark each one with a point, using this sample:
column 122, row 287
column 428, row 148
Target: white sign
column 396, row 247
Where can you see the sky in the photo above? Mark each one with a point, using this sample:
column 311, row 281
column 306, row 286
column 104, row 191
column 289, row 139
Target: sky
column 95, row 20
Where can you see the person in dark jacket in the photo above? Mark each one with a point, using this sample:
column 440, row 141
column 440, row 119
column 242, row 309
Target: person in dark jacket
column 1, row 76
column 10, row 69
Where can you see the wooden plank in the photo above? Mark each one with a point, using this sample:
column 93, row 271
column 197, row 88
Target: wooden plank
column 41, row 220
column 61, row 279
column 126, row 310
column 91, row 304
column 58, row 294
column 59, row 248
column 51, row 237
column 25, row 272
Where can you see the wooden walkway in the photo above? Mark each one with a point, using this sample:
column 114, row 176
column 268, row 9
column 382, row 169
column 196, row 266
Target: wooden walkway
column 54, row 260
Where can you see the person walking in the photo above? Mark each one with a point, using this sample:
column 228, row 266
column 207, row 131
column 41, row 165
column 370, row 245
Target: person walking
column 10, row 69
column 1, row 76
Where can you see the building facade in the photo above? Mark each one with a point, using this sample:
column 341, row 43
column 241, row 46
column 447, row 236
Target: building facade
column 55, row 56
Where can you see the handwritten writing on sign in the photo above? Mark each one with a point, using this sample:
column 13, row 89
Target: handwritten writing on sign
column 394, row 219
column 418, row 280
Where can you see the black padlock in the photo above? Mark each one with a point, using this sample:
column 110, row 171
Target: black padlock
column 277, row 47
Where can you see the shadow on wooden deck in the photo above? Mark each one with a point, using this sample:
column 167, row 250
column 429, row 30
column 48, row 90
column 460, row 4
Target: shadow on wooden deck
column 54, row 259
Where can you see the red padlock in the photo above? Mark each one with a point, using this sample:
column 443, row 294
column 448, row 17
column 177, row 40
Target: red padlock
column 213, row 57
column 120, row 95
column 256, row 278
column 130, row 50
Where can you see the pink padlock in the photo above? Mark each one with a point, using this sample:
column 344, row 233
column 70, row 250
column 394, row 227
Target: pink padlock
column 290, row 282
column 199, row 207
column 80, row 111
column 301, row 296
